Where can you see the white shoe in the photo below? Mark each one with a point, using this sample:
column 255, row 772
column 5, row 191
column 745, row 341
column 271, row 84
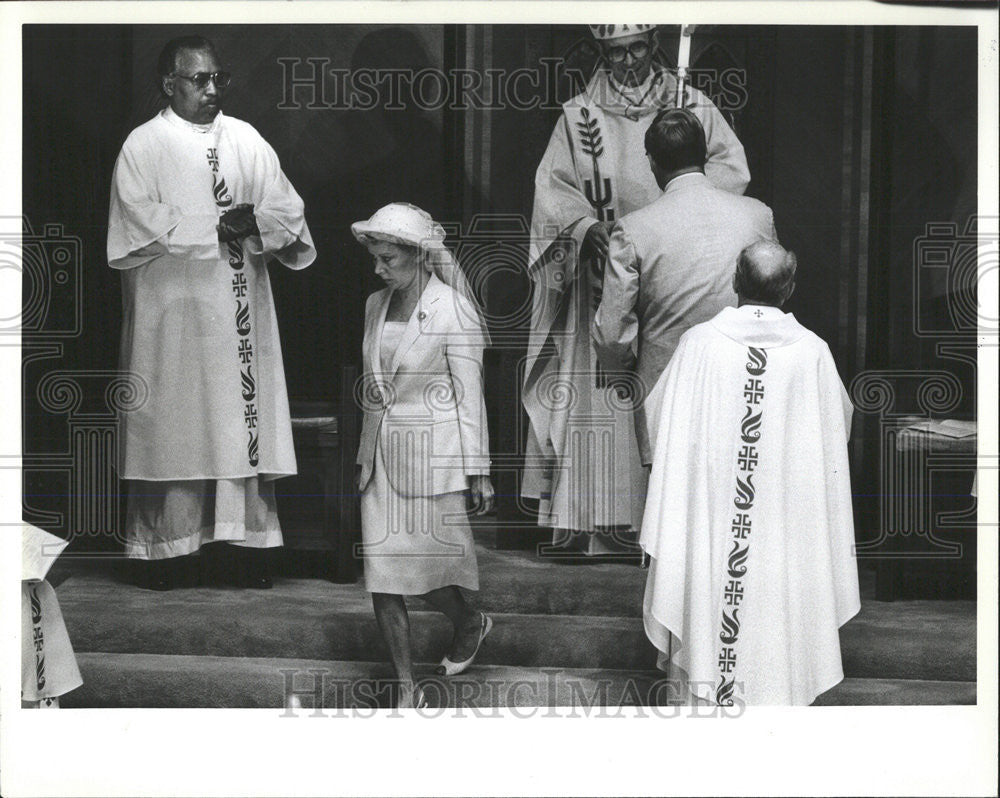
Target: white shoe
column 449, row 668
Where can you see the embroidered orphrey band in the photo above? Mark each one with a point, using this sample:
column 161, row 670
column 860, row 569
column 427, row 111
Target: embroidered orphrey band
column 600, row 195
column 244, row 350
column 742, row 524
column 38, row 636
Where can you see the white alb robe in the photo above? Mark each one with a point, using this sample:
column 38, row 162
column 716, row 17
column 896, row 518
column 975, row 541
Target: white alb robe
column 199, row 327
column 582, row 458
column 748, row 519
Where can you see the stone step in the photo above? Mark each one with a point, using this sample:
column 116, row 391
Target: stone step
column 178, row 681
column 510, row 581
column 314, row 619
column 532, row 582
column 898, row 692
column 275, row 629
column 926, row 640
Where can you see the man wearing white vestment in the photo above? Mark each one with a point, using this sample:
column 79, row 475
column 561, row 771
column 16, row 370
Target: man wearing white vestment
column 670, row 264
column 582, row 460
column 198, row 205
column 748, row 522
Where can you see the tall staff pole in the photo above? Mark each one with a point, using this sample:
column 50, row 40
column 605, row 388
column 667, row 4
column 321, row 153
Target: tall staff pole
column 683, row 62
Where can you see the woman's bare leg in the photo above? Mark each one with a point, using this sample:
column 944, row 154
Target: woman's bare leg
column 390, row 612
column 465, row 620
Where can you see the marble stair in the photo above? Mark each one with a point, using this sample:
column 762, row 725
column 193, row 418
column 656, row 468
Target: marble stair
column 565, row 635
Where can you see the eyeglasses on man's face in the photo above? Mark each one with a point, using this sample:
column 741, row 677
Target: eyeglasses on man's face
column 616, row 54
column 201, row 79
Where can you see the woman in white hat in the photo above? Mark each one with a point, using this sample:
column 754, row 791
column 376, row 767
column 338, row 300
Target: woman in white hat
column 424, row 442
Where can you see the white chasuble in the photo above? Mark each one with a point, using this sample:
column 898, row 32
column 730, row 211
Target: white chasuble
column 749, row 518
column 199, row 326
column 48, row 664
column 582, row 458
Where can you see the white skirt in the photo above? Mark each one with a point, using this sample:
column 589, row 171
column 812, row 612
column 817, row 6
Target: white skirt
column 412, row 545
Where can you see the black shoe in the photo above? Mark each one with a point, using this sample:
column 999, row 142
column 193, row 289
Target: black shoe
column 155, row 575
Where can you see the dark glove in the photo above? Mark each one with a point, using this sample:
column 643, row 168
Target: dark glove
column 595, row 250
column 237, row 222
column 595, row 241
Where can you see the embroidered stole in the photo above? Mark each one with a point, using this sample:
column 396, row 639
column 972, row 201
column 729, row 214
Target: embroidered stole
column 243, row 321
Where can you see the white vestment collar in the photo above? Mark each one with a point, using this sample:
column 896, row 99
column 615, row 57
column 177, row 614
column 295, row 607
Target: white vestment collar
column 633, row 103
column 635, row 93
column 171, row 116
column 761, row 326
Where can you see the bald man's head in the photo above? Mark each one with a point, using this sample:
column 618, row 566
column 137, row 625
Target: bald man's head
column 765, row 274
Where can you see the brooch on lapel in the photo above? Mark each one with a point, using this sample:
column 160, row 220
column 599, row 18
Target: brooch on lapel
column 421, row 316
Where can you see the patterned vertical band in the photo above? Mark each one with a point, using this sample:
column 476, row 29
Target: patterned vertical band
column 742, row 525
column 244, row 326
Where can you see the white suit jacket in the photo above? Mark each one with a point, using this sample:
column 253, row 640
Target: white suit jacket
column 426, row 413
column 670, row 266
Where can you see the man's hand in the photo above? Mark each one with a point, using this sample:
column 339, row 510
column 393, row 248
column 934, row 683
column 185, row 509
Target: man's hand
column 481, row 494
column 595, row 249
column 357, row 479
column 238, row 222
column 595, row 241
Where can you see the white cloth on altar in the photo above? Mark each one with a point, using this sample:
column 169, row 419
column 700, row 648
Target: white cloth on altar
column 179, row 330
column 582, row 457
column 795, row 566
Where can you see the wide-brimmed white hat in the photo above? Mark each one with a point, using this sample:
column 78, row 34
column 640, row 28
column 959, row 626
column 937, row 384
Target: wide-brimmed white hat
column 403, row 223
column 607, row 32
column 400, row 223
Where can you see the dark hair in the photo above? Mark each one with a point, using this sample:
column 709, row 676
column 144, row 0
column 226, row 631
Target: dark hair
column 676, row 140
column 768, row 286
column 167, row 61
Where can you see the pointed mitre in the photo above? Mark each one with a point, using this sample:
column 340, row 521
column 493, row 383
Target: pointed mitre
column 606, row 32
